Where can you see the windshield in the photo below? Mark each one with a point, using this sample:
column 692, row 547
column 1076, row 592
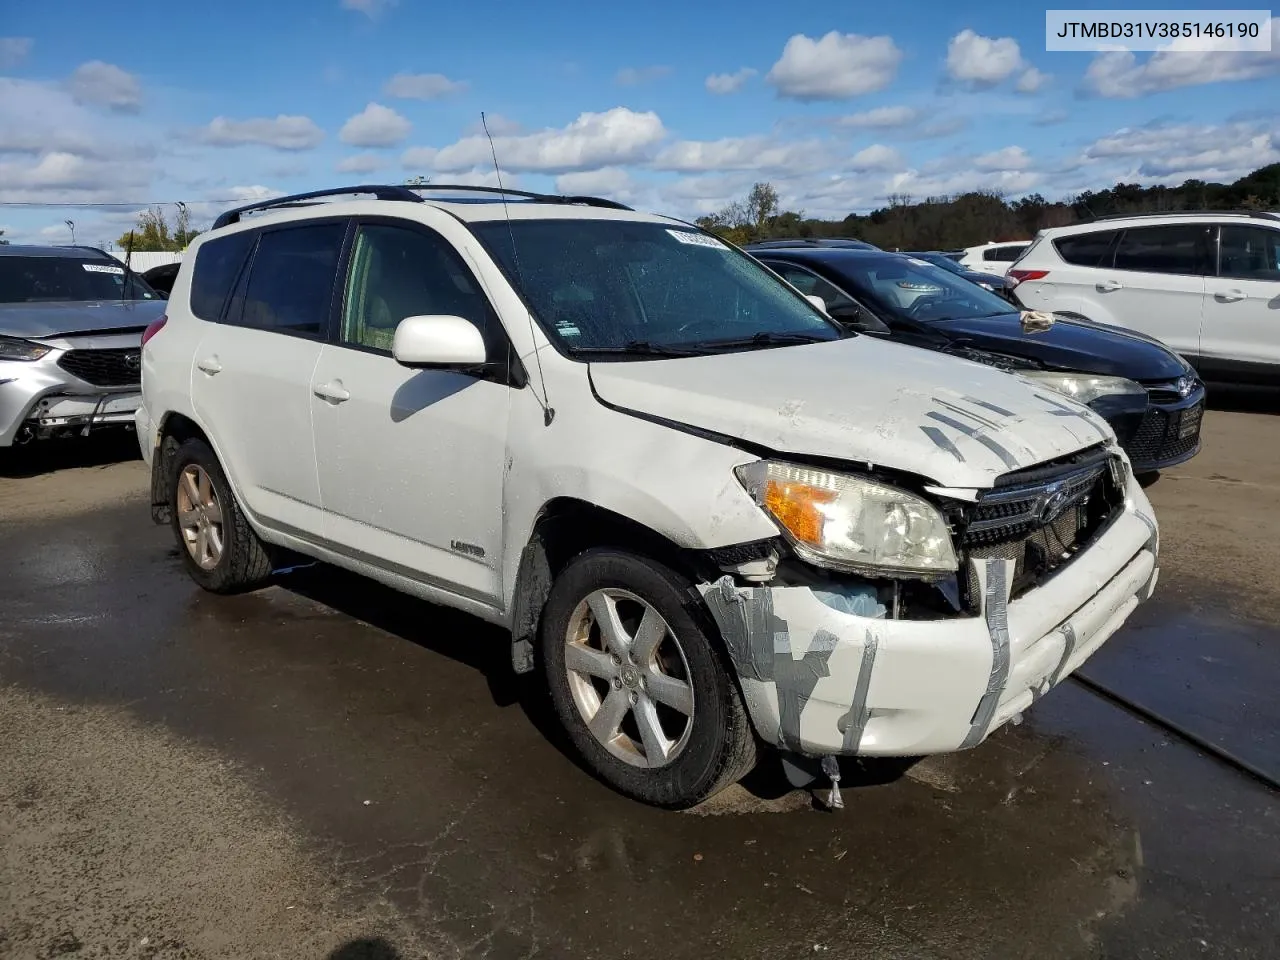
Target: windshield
column 912, row 288
column 643, row 289
column 68, row 279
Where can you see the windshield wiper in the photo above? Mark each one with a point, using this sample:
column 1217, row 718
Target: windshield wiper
column 641, row 348
column 765, row 340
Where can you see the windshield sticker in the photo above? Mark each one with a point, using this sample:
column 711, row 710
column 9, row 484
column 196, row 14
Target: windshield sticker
column 697, row 239
column 102, row 268
column 919, row 263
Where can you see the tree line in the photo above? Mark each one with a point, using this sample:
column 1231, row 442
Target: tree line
column 955, row 222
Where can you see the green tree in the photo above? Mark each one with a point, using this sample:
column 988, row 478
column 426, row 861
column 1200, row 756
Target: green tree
column 153, row 232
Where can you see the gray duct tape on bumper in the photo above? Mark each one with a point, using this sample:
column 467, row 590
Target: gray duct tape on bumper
column 855, row 720
column 995, row 580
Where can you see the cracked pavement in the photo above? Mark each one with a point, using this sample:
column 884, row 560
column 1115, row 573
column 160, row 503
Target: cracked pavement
column 326, row 769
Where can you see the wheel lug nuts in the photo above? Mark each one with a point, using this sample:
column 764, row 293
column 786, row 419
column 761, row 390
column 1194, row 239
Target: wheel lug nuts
column 617, row 683
column 634, row 698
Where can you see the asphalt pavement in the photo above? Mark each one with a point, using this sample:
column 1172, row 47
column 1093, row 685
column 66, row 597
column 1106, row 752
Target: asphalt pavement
column 326, row 769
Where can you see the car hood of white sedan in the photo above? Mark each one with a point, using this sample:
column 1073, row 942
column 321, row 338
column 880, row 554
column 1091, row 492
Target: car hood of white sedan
column 954, row 422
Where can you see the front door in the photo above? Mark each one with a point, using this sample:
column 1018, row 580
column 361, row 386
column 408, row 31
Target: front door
column 411, row 461
column 1240, row 341
column 251, row 381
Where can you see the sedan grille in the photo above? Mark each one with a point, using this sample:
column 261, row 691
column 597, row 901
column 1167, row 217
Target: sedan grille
column 121, row 367
column 1165, row 434
column 1040, row 524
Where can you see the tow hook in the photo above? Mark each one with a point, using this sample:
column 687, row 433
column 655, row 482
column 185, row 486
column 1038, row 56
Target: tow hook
column 832, row 769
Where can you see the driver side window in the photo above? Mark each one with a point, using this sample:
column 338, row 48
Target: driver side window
column 397, row 273
column 839, row 304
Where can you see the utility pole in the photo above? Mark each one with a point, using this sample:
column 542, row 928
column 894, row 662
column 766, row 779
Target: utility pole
column 71, row 224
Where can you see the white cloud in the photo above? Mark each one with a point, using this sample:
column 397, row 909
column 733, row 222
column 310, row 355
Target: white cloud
column 724, row 83
column 106, row 85
column 1118, row 75
column 1031, row 81
column 481, row 178
column 423, row 86
column 283, row 132
column 835, row 67
column 617, row 136
column 757, row 153
column 875, row 157
column 38, row 118
column 252, row 194
column 375, row 126
column 607, row 182
column 370, row 8
column 1008, row 158
column 917, row 184
column 982, row 61
column 634, row 76
column 13, row 51
column 1177, row 152
column 68, row 178
column 498, row 126
column 881, row 118
column 360, row 163
column 1050, row 119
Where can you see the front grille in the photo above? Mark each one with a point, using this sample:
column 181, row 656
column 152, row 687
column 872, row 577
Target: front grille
column 1165, row 434
column 120, row 367
column 1040, row 524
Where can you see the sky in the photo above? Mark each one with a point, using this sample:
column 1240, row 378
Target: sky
column 676, row 107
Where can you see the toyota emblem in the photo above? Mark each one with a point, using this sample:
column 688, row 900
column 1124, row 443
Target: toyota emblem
column 1052, row 503
column 1184, row 386
column 133, row 361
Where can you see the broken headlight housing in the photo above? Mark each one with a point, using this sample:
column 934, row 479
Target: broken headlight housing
column 1085, row 387
column 11, row 348
column 850, row 523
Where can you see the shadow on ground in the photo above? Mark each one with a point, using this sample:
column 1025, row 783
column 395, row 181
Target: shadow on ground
column 47, row 456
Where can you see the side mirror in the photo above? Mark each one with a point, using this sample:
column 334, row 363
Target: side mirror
column 438, row 342
column 817, row 301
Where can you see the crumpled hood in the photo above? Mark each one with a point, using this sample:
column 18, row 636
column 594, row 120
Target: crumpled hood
column 37, row 321
column 954, row 422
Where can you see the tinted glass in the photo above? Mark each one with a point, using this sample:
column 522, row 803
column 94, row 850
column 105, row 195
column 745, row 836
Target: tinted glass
column 217, row 265
column 398, row 273
column 810, row 284
column 1004, row 254
column 68, row 279
column 1087, row 249
column 916, row 290
column 940, row 260
column 605, row 284
column 1182, row 249
column 291, row 280
column 1249, row 253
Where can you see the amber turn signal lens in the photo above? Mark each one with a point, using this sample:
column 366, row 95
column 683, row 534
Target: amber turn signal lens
column 798, row 507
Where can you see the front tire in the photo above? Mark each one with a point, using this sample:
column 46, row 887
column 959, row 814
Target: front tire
column 219, row 548
column 639, row 683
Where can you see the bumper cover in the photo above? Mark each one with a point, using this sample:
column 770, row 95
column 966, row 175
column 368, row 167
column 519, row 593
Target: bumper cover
column 819, row 681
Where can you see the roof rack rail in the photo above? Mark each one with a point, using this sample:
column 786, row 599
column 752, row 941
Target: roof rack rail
column 1259, row 214
column 403, row 192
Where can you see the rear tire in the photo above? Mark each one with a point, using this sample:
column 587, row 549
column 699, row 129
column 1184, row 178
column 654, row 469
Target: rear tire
column 218, row 547
column 692, row 755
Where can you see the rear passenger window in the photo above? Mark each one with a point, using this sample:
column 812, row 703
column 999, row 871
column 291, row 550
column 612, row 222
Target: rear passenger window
column 217, row 265
column 1004, row 254
column 1249, row 253
column 1087, row 249
column 290, row 285
column 1182, row 248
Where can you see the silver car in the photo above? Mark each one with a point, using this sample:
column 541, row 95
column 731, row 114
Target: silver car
column 71, row 325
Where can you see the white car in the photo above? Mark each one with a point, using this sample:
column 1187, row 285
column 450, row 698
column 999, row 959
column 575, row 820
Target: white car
column 991, row 257
column 1207, row 284
column 709, row 516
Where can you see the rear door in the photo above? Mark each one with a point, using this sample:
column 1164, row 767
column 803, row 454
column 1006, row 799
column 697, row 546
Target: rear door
column 1240, row 339
column 1155, row 284
column 251, row 382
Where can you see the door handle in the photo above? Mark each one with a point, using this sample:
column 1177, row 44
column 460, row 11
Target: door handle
column 1106, row 286
column 332, row 392
column 209, row 365
column 1229, row 296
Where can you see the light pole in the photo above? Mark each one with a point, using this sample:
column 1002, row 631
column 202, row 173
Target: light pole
column 71, row 224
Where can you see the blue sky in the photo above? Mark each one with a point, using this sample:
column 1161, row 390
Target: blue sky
column 671, row 106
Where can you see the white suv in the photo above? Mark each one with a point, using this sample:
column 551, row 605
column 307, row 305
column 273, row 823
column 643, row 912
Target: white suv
column 991, row 257
column 709, row 516
column 1207, row 284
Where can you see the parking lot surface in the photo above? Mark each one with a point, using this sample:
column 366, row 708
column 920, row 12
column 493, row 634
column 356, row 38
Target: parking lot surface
column 328, row 769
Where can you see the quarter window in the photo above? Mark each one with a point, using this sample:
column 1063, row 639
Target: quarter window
column 217, row 265
column 1004, row 254
column 1087, row 249
column 1249, row 253
column 1179, row 248
column 290, row 285
column 398, row 273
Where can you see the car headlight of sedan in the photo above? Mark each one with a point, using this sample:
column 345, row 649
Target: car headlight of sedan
column 11, row 348
column 850, row 523
column 1085, row 387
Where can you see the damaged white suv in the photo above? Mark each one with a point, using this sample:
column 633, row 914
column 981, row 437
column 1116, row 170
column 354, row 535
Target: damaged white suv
column 710, row 517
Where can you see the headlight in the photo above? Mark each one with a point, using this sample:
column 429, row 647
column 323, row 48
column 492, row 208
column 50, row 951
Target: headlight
column 1085, row 387
column 11, row 348
column 985, row 286
column 848, row 523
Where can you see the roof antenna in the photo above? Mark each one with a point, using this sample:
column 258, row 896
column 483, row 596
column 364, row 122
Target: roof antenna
column 548, row 414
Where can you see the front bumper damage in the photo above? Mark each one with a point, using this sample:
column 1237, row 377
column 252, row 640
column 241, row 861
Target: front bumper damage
column 819, row 681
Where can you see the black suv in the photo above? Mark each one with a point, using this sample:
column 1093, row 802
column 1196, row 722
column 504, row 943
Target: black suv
column 1151, row 397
